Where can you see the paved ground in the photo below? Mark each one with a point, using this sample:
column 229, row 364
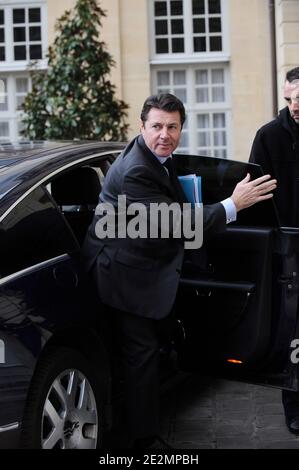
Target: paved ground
column 210, row 413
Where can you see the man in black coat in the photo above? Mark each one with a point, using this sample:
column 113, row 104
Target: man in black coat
column 137, row 278
column 276, row 149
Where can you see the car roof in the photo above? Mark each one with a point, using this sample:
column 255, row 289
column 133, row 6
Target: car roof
column 15, row 154
column 25, row 163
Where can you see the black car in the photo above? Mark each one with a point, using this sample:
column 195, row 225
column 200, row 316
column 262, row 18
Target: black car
column 236, row 317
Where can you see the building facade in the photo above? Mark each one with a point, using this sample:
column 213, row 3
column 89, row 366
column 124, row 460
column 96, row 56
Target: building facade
column 225, row 59
column 23, row 38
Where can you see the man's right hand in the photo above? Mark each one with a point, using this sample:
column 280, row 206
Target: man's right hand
column 247, row 192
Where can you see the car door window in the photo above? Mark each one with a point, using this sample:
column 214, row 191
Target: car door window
column 32, row 232
column 219, row 178
column 76, row 193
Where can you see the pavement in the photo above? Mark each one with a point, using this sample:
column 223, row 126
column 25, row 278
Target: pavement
column 208, row 413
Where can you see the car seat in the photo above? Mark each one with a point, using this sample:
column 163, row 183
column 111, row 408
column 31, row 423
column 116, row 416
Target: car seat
column 76, row 192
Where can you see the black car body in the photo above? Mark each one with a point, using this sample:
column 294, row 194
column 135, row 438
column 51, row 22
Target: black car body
column 238, row 316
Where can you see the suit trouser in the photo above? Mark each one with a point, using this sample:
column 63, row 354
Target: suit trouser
column 139, row 347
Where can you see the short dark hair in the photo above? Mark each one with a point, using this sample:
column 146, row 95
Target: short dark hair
column 165, row 102
column 292, row 74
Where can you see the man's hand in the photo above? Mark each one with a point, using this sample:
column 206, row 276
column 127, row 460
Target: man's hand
column 247, row 192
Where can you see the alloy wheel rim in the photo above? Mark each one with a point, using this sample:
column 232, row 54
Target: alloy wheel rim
column 70, row 417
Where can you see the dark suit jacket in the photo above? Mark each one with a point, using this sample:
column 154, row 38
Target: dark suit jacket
column 276, row 149
column 140, row 276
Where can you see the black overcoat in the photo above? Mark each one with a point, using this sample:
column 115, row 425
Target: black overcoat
column 276, row 149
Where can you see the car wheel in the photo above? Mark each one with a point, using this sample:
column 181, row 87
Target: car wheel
column 65, row 405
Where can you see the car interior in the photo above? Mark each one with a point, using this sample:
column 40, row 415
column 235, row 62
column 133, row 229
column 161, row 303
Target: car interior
column 76, row 192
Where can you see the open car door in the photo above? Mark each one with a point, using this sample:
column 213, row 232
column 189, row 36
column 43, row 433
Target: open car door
column 238, row 308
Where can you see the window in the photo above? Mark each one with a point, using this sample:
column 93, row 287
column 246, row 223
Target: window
column 22, row 31
column 3, row 96
column 187, row 27
column 34, row 231
column 16, row 86
column 211, row 134
column 4, row 130
column 189, row 58
column 206, row 25
column 22, row 88
column 27, row 33
column 173, row 81
column 169, row 26
column 203, row 90
column 210, row 86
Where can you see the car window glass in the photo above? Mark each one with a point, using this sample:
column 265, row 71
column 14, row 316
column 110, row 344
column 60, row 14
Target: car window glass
column 32, row 232
column 76, row 192
column 218, row 180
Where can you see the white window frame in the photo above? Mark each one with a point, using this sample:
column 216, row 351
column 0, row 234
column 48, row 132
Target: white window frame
column 189, row 55
column 8, row 5
column 193, row 108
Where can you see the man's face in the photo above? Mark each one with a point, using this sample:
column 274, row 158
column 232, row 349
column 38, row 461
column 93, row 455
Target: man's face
column 161, row 131
column 291, row 95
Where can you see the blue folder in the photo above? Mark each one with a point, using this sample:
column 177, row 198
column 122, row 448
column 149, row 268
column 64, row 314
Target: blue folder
column 191, row 185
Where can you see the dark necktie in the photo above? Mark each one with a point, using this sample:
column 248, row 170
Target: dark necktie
column 170, row 168
column 174, row 180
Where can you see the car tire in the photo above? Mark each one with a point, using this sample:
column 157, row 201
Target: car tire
column 65, row 404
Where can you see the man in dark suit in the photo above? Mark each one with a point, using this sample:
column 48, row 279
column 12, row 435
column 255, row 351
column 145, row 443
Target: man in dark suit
column 276, row 149
column 138, row 277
